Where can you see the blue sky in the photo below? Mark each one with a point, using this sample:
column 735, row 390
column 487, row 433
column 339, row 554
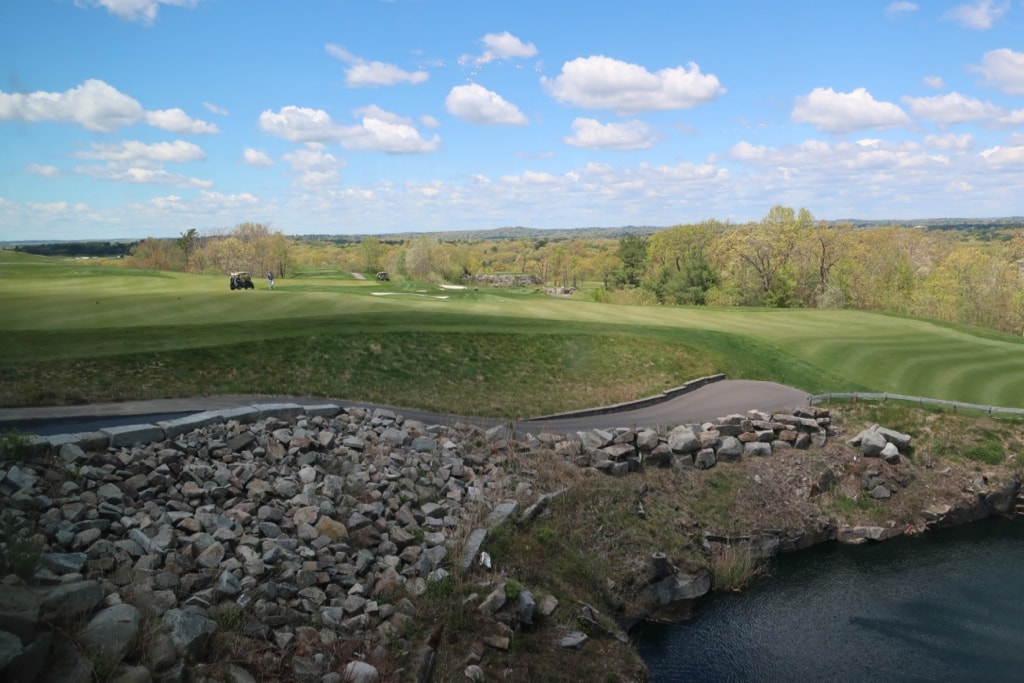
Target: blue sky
column 136, row 118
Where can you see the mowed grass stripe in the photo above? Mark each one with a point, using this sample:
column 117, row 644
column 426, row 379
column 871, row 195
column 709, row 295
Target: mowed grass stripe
column 72, row 311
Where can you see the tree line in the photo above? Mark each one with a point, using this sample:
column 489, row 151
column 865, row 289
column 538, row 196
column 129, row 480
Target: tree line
column 785, row 259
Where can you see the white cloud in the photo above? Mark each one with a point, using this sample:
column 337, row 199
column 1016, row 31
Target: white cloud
column 378, row 130
column 501, row 46
column 94, row 105
column 214, row 109
column 1003, row 69
column 132, row 152
column 629, row 135
column 137, row 174
column 135, row 10
column 311, row 158
column 899, row 8
column 950, row 143
column 97, row 106
column 43, row 170
column 477, row 104
column 1001, row 156
column 600, row 82
column 980, row 15
column 257, row 158
column 838, row 113
column 384, row 132
column 362, row 73
column 177, row 121
column 934, row 82
column 951, row 108
column 299, row 124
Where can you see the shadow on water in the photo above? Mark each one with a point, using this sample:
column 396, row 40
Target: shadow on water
column 946, row 606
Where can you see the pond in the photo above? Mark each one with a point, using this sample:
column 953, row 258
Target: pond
column 945, row 606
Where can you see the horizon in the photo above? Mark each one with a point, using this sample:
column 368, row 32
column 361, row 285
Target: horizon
column 147, row 118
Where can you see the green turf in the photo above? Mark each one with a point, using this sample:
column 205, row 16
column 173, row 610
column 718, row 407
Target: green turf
column 63, row 320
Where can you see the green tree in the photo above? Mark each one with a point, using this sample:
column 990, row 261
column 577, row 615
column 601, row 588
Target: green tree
column 632, row 254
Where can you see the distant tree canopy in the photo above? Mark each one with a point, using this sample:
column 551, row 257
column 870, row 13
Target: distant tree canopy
column 248, row 246
column 958, row 271
column 79, row 249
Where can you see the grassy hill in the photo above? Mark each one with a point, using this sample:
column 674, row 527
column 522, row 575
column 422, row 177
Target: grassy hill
column 76, row 331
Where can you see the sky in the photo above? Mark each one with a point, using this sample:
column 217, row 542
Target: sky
column 147, row 118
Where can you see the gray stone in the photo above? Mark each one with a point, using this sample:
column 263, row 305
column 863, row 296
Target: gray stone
column 757, row 449
column 19, row 610
column 190, row 630
column 10, row 648
column 361, row 672
column 574, row 641
column 898, row 439
column 704, row 459
column 872, row 443
column 730, row 449
column 112, row 633
column 683, row 440
column 67, row 602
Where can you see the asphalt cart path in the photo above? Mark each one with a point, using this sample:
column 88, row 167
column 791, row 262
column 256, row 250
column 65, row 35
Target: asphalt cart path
column 706, row 403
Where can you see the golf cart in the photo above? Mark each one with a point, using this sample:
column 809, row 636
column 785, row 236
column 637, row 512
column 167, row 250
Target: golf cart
column 241, row 280
column 383, row 276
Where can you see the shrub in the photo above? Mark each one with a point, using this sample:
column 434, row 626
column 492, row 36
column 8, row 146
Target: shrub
column 19, row 551
column 14, row 446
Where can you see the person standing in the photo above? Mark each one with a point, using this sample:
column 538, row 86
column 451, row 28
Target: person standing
column 270, row 280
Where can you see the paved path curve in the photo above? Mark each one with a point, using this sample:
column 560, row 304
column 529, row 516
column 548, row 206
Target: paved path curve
column 707, row 403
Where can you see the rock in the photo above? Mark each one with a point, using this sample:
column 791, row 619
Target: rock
column 574, row 641
column 705, row 459
column 10, row 648
column 683, row 440
column 112, row 633
column 730, row 450
column 872, row 443
column 525, row 607
column 880, row 492
column 190, row 630
column 890, row 453
column 68, row 602
column 361, row 672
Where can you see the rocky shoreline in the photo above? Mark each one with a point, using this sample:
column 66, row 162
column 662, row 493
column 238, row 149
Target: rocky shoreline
column 309, row 534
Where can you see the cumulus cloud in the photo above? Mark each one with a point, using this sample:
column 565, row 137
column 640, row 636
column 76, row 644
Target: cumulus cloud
column 900, row 8
column 177, row 121
column 628, row 135
column 499, row 46
column 362, row 73
column 934, row 82
column 97, row 106
column 43, row 170
column 132, row 152
column 378, row 130
column 311, row 158
column 137, row 174
column 950, row 143
column 477, row 104
column 383, row 131
column 1003, row 69
column 94, row 105
column 299, row 124
column 144, row 11
column 600, row 82
column 1002, row 156
column 257, row 158
column 980, row 15
column 951, row 108
column 837, row 112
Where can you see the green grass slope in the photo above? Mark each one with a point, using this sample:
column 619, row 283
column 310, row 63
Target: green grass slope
column 75, row 331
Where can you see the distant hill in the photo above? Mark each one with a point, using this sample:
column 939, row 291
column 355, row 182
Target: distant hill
column 507, row 233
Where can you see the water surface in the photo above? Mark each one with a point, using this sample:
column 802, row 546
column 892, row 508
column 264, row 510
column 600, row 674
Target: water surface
column 948, row 606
